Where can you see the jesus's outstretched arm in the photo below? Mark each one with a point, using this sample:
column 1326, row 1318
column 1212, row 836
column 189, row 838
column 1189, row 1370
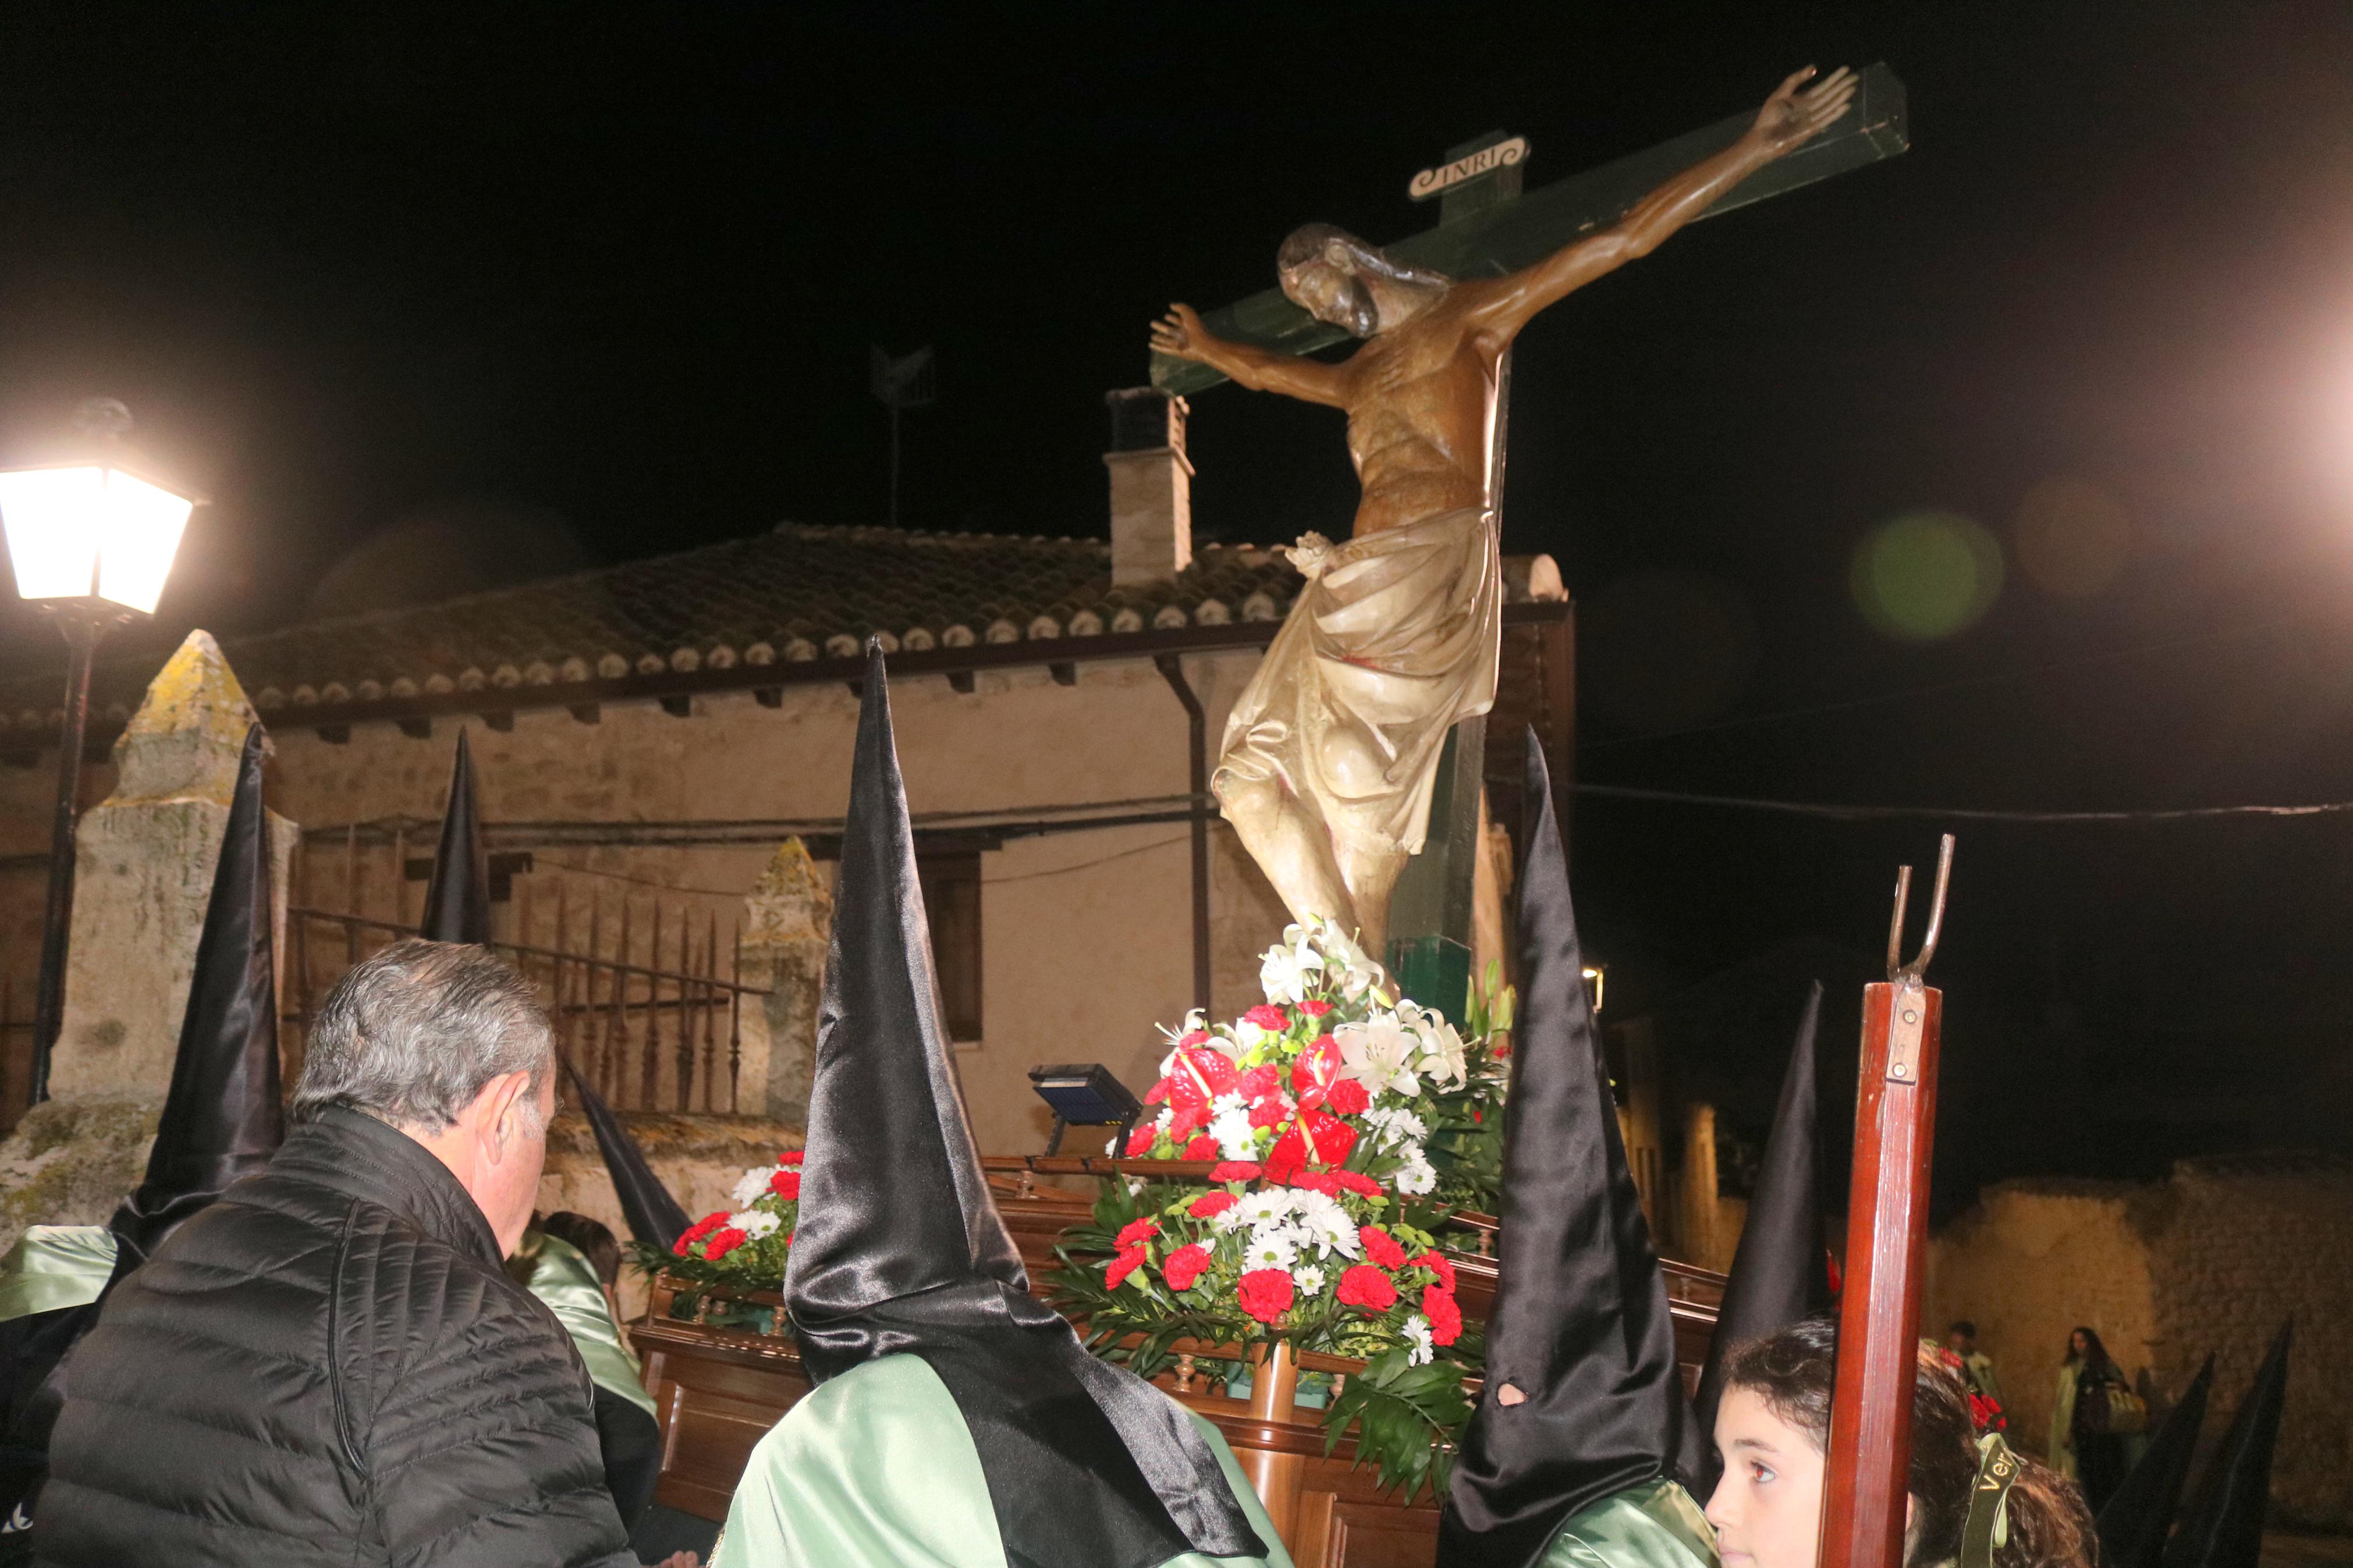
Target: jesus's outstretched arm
column 1789, row 120
column 1181, row 333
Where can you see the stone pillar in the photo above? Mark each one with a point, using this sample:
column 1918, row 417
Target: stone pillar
column 144, row 874
column 1151, row 486
column 788, row 917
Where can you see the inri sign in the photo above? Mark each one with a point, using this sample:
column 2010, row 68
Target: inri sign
column 1487, row 159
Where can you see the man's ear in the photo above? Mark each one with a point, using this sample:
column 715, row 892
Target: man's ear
column 1340, row 257
column 502, row 1100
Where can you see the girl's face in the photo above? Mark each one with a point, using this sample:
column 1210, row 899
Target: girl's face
column 1767, row 1509
column 2078, row 1344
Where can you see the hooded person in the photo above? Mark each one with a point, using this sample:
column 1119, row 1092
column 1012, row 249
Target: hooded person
column 1574, row 1452
column 1778, row 1272
column 2138, row 1520
column 2224, row 1525
column 458, row 899
column 628, row 1431
column 222, row 1119
column 957, row 1422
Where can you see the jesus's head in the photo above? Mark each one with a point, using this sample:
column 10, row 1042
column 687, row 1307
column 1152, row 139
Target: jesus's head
column 1340, row 279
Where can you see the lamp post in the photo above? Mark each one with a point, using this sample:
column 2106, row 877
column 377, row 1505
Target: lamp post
column 91, row 543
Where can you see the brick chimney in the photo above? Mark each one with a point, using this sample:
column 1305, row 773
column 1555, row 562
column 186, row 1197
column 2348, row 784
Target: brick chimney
column 1151, row 486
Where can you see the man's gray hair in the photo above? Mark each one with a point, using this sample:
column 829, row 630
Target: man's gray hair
column 412, row 1035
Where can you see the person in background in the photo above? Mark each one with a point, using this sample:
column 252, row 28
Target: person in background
column 1977, row 1367
column 1773, row 1427
column 2085, row 1442
column 328, row 1362
column 573, row 1264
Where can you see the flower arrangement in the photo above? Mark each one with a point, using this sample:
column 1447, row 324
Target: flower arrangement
column 744, row 1246
column 1336, row 1114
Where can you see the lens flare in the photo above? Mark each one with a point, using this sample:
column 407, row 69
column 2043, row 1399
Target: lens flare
column 1926, row 575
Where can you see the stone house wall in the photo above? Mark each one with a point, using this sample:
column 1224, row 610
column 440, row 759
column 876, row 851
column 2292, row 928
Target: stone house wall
column 2213, row 1258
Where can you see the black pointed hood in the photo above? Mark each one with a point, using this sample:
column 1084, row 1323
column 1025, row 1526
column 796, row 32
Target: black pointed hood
column 223, row 1118
column 2224, row 1525
column 1580, row 1323
column 900, row 1248
column 1778, row 1274
column 2138, row 1516
column 654, row 1217
column 458, row 899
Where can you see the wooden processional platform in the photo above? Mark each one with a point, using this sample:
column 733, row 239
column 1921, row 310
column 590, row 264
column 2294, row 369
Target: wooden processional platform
column 720, row 1380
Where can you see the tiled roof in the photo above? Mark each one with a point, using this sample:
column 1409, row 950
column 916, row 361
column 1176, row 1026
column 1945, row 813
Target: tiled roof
column 797, row 594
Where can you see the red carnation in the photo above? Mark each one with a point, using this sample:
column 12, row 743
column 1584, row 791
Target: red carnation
column 1259, row 1082
column 1185, row 1265
column 1266, row 1293
column 1209, row 1206
column 722, row 1243
column 1367, row 1287
column 1348, row 1098
column 1267, row 1015
column 1201, row 1148
column 1986, row 1414
column 1363, row 1186
column 1316, row 1009
column 698, row 1230
column 1438, row 1304
column 1139, row 1143
column 1381, row 1246
column 1324, row 1182
column 1438, row 1263
column 1133, row 1233
column 785, row 1184
column 1271, row 1112
column 1195, row 1038
column 1125, row 1264
column 1234, row 1171
column 790, row 1157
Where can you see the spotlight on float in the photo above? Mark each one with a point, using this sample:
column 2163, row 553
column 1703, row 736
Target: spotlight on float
column 1084, row 1094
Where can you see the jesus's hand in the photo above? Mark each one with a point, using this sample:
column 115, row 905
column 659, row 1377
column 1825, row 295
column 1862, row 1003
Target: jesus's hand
column 1790, row 118
column 1180, row 333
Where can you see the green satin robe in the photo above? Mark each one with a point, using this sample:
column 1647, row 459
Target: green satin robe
column 566, row 1281
column 55, row 1265
column 876, row 1470
column 1654, row 1525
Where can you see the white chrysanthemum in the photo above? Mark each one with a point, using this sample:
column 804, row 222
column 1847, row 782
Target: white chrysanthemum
column 1417, row 1331
column 1310, row 1279
column 1168, row 1114
column 1393, row 1125
column 1378, row 1053
column 1267, row 1206
column 1233, row 1131
column 755, row 1183
column 1415, row 1177
column 1326, row 1225
column 1230, row 1219
column 754, row 1222
column 1112, row 1148
column 1272, row 1249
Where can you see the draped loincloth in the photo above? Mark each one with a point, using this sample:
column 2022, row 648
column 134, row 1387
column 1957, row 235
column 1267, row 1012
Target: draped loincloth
column 1395, row 636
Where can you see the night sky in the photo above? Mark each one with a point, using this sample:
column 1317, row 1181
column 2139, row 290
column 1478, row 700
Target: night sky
column 434, row 301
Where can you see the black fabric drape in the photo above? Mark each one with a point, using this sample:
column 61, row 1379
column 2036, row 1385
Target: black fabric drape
column 900, row 1247
column 654, row 1217
column 2224, row 1525
column 1580, row 1323
column 1778, row 1274
column 2134, row 1524
column 458, row 899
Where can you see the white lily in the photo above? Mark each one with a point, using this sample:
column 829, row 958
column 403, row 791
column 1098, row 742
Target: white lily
column 1378, row 1053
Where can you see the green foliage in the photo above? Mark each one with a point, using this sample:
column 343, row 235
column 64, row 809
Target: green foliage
column 1406, row 1420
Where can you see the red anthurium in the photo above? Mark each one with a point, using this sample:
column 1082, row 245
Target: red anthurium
column 1317, row 1069
column 1329, row 1139
column 1287, row 1158
column 1157, row 1093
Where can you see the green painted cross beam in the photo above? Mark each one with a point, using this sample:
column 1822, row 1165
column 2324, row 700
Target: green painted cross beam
column 1486, row 229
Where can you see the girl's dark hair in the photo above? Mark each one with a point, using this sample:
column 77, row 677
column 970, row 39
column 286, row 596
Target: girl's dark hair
column 2095, row 1353
column 1794, row 1371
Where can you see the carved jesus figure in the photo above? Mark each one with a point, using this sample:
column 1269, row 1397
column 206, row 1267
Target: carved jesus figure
column 1330, row 752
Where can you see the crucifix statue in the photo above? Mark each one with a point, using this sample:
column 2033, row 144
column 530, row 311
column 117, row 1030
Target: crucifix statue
column 1330, row 754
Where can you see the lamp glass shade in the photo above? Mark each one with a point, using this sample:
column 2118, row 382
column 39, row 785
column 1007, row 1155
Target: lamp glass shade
column 93, row 530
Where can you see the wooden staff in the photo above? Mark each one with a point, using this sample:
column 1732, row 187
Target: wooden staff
column 711, row 1014
column 650, row 1058
column 1879, row 1314
column 734, row 1014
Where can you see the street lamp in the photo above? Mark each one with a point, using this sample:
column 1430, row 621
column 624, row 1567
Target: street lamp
column 91, row 543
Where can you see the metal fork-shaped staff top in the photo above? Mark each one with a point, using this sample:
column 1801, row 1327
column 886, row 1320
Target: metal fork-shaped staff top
column 1898, row 971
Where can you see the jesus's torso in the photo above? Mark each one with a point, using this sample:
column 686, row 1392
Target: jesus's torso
column 1421, row 405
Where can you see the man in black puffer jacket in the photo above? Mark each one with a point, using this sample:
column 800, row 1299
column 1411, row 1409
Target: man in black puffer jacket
column 328, row 1364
